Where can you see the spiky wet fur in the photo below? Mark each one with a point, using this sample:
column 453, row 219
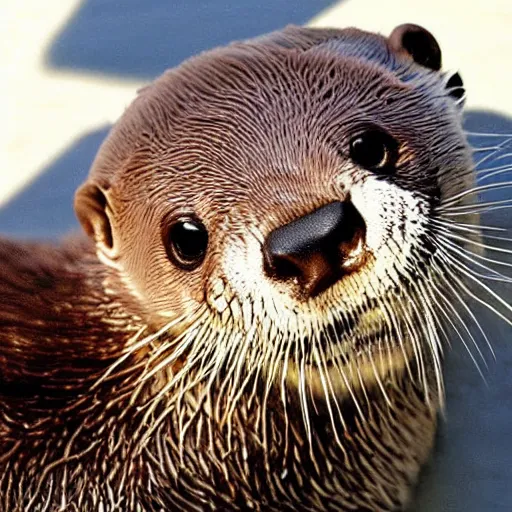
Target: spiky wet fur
column 79, row 432
column 105, row 406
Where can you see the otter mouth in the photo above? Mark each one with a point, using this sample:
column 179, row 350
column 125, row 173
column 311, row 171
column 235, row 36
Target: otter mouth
column 350, row 337
column 350, row 355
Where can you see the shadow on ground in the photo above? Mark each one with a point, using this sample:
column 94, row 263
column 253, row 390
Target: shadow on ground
column 140, row 39
column 44, row 209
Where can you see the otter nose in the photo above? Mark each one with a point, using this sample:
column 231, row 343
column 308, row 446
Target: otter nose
column 318, row 248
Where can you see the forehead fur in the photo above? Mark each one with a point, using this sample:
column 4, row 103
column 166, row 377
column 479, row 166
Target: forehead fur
column 243, row 79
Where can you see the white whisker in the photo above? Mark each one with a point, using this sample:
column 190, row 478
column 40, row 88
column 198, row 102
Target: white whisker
column 507, row 136
column 447, row 203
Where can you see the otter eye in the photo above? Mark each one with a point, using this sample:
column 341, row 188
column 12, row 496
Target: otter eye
column 374, row 150
column 186, row 241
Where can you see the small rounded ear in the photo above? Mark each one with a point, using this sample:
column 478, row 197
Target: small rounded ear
column 418, row 43
column 91, row 208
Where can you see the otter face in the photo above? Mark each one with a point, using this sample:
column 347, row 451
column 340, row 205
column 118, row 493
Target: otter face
column 282, row 195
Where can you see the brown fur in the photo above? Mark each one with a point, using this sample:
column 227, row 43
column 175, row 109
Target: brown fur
column 258, row 132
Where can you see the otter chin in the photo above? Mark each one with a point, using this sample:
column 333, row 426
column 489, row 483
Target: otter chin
column 272, row 259
column 365, row 372
column 345, row 365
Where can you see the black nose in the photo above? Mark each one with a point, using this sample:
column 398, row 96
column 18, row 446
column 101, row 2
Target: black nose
column 317, row 248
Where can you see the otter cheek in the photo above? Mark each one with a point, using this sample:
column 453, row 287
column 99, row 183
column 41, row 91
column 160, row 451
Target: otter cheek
column 391, row 214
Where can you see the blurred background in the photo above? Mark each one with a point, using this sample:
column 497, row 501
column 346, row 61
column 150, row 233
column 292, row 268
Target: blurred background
column 70, row 68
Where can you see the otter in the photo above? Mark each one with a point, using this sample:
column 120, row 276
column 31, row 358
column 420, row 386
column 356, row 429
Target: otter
column 255, row 315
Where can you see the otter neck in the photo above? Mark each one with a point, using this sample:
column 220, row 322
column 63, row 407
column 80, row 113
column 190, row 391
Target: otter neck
column 68, row 328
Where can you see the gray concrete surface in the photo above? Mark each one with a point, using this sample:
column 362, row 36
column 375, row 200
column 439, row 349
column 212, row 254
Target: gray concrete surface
column 71, row 67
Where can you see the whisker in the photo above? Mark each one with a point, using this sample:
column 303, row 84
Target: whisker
column 300, row 363
column 485, row 149
column 490, row 156
column 427, row 335
column 473, row 257
column 456, row 314
column 492, row 135
column 327, row 388
column 451, row 285
column 436, row 347
column 497, row 157
column 411, row 326
column 461, row 226
column 185, row 339
column 462, row 268
column 133, row 347
column 492, row 173
column 237, row 388
column 417, row 349
column 457, row 281
column 448, row 202
column 284, row 398
column 447, row 235
column 338, row 362
column 486, row 208
column 369, row 357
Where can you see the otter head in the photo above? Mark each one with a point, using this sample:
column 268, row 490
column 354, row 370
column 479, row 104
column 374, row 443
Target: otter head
column 283, row 193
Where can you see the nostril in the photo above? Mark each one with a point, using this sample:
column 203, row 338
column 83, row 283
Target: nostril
column 279, row 265
column 284, row 268
column 317, row 248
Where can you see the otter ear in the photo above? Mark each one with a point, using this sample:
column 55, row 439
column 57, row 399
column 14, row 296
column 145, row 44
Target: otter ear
column 418, row 43
column 93, row 212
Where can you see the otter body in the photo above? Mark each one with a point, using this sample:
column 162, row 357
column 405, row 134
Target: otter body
column 251, row 321
column 84, row 448
column 64, row 444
